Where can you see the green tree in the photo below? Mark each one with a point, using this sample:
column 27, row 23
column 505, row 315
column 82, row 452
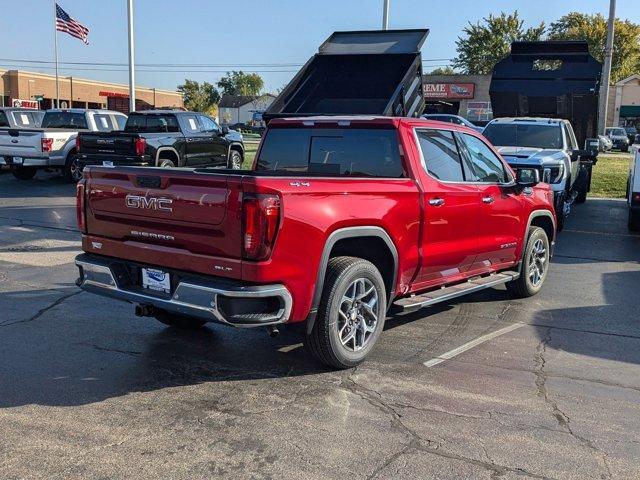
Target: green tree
column 199, row 97
column 442, row 71
column 593, row 29
column 240, row 83
column 485, row 43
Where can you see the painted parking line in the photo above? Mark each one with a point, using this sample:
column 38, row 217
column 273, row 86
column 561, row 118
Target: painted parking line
column 472, row 344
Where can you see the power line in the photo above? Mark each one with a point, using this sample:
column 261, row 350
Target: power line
column 184, row 65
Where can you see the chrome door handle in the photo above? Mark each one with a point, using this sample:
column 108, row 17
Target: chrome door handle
column 488, row 199
column 436, row 202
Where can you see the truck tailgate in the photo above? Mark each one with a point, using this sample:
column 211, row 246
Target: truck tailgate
column 21, row 142
column 186, row 217
column 117, row 143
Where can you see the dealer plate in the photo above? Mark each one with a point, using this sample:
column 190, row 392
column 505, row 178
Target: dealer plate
column 18, row 160
column 107, row 163
column 156, row 280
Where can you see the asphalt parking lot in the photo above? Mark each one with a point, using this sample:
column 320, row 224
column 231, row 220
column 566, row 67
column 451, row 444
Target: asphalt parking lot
column 89, row 390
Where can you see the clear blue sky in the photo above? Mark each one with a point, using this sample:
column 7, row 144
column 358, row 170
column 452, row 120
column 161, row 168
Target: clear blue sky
column 241, row 32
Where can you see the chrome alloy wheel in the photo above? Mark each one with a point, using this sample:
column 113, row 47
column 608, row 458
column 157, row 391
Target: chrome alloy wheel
column 358, row 314
column 76, row 169
column 538, row 260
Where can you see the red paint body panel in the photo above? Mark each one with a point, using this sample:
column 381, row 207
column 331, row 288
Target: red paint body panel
column 203, row 231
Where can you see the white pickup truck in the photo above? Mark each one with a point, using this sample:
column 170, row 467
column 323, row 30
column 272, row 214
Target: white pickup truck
column 53, row 146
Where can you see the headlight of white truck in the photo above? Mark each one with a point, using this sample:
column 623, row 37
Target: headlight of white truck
column 554, row 173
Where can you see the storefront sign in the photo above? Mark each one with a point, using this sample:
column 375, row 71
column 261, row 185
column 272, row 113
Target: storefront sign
column 18, row 103
column 113, row 94
column 450, row 91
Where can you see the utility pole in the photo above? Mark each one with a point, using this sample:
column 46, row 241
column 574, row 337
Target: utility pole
column 132, row 75
column 385, row 15
column 606, row 70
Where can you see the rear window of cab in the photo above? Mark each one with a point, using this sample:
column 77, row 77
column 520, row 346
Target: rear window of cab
column 351, row 152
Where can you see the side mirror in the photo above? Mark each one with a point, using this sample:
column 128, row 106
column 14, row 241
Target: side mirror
column 224, row 129
column 527, row 177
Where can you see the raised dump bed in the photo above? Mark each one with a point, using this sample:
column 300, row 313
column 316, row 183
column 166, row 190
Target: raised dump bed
column 358, row 73
column 555, row 79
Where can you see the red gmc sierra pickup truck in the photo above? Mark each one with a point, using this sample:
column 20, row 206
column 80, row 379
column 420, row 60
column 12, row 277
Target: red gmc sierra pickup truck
column 339, row 219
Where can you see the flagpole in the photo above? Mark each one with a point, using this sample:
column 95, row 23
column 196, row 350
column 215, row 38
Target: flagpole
column 55, row 42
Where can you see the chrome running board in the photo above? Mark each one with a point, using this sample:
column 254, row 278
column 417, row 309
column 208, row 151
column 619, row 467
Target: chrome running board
column 444, row 294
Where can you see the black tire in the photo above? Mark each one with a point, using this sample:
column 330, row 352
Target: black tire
column 325, row 341
column 633, row 222
column 581, row 184
column 179, row 321
column 72, row 171
column 24, row 173
column 235, row 160
column 525, row 285
column 560, row 215
column 166, row 163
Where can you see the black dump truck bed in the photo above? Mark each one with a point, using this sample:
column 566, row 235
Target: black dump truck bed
column 358, row 73
column 555, row 79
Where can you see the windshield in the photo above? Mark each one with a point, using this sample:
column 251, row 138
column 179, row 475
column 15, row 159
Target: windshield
column 616, row 131
column 524, row 135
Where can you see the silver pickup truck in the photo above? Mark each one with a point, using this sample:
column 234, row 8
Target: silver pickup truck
column 53, row 146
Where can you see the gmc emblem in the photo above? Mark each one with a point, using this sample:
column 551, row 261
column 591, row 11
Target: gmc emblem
column 149, row 203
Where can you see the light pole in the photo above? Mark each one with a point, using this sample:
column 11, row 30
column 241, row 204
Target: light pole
column 385, row 15
column 132, row 75
column 606, row 70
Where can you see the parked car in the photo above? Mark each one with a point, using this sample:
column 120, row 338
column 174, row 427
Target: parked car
column 457, row 119
column 633, row 191
column 340, row 218
column 11, row 117
column 636, row 141
column 605, row 144
column 53, row 146
column 550, row 146
column 619, row 138
column 164, row 138
column 631, row 133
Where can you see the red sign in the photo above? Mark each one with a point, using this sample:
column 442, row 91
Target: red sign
column 113, row 94
column 451, row 91
column 17, row 103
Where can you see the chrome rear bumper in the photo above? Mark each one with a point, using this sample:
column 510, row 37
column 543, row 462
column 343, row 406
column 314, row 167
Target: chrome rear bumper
column 195, row 298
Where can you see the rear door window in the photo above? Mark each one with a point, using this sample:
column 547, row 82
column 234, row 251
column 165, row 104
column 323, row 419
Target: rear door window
column 440, row 155
column 70, row 120
column 332, row 152
column 191, row 123
column 4, row 121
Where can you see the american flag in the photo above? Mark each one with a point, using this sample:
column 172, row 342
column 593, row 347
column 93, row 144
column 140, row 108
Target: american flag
column 64, row 23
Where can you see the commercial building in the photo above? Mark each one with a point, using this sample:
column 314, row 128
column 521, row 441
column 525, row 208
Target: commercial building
column 624, row 97
column 80, row 93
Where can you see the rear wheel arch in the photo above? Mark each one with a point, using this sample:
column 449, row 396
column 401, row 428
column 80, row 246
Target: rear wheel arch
column 370, row 243
column 169, row 153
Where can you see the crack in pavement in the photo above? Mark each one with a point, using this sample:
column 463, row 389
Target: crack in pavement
column 417, row 443
column 44, row 310
column 561, row 417
column 132, row 353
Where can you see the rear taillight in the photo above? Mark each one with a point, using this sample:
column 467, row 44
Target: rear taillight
column 635, row 198
column 78, row 144
column 260, row 219
column 47, row 144
column 81, row 217
column 141, row 146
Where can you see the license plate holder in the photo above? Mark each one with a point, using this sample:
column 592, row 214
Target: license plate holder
column 156, row 280
column 18, row 160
